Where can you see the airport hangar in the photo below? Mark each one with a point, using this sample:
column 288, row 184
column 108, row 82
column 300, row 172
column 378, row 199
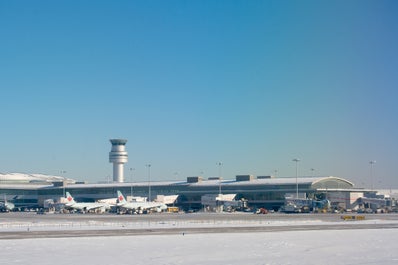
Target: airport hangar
column 263, row 191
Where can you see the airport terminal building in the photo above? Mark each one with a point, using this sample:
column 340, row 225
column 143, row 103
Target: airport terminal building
column 262, row 191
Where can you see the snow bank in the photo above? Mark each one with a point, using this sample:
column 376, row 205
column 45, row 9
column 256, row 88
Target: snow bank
column 298, row 247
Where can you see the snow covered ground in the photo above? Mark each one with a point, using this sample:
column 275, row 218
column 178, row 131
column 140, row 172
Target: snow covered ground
column 318, row 245
column 374, row 246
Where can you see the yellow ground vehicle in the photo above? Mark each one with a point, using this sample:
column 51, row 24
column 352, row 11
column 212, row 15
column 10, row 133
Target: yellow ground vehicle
column 173, row 209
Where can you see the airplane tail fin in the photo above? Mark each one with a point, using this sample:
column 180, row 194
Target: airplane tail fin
column 69, row 198
column 120, row 197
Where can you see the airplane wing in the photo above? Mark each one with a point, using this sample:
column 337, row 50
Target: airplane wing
column 143, row 205
column 89, row 206
column 129, row 206
column 93, row 206
column 152, row 205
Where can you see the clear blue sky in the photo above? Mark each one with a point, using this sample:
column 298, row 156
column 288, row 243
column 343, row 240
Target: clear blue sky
column 253, row 84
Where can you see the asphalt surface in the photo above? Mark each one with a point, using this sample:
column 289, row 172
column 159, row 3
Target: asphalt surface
column 215, row 221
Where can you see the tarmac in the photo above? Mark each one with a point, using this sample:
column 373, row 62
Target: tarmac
column 21, row 225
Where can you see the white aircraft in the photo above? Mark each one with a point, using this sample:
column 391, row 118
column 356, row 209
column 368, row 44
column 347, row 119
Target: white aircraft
column 6, row 206
column 138, row 206
column 85, row 206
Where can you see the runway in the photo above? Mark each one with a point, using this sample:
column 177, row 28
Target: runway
column 31, row 225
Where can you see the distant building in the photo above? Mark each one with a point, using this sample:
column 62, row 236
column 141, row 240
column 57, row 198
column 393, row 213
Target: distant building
column 259, row 192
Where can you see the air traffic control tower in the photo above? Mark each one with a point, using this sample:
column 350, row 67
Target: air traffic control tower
column 118, row 156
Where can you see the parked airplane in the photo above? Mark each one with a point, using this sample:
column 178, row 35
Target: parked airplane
column 85, row 206
column 6, row 206
column 138, row 206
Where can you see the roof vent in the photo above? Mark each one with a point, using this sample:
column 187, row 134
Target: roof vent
column 194, row 179
column 265, row 177
column 244, row 177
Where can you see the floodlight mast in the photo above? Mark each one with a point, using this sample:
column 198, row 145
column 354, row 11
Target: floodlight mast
column 219, row 164
column 149, row 181
column 296, row 160
column 371, row 173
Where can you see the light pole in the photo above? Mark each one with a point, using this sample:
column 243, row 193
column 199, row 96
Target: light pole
column 371, row 173
column 63, row 182
column 131, row 184
column 312, row 172
column 296, row 160
column 149, row 181
column 219, row 164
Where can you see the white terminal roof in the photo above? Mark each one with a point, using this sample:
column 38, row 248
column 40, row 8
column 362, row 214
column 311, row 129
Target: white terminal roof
column 30, row 178
column 22, row 178
column 266, row 181
column 271, row 181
